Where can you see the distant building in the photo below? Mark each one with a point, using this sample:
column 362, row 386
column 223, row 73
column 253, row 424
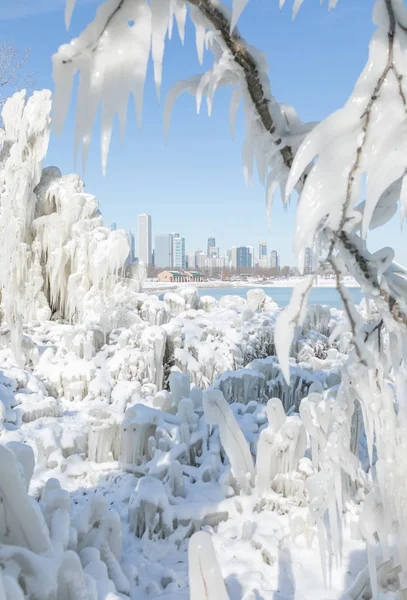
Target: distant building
column 190, row 260
column 262, row 250
column 263, row 262
column 132, row 244
column 144, row 250
column 216, row 262
column 163, row 250
column 308, row 268
column 179, row 276
column 211, row 244
column 213, row 252
column 244, row 257
column 200, row 259
column 233, row 257
column 113, row 227
column 178, row 252
column 251, row 251
column 274, row 260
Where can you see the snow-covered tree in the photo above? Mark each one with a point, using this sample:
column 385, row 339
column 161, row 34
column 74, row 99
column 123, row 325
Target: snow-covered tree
column 326, row 165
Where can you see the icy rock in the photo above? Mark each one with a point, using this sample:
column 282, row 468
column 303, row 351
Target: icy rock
column 256, row 299
column 208, row 303
column 191, row 297
column 176, row 303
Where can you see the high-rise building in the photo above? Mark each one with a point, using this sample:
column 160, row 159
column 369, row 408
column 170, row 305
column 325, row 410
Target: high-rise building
column 132, row 244
column 274, row 260
column 213, row 252
column 262, row 250
column 233, row 257
column 190, row 261
column 244, row 257
column 200, row 259
column 113, row 227
column 178, row 252
column 144, row 239
column 163, row 250
column 252, row 257
column 308, row 261
column 211, row 244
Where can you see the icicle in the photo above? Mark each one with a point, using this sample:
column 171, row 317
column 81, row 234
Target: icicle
column 238, row 8
column 291, row 317
column 160, row 10
column 69, row 7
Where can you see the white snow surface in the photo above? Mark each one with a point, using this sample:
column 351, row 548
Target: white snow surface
column 126, row 470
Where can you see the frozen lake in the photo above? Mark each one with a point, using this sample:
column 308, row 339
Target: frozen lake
column 319, row 295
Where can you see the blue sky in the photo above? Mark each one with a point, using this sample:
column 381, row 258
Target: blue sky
column 194, row 183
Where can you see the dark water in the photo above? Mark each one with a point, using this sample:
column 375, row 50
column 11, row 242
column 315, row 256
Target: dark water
column 326, row 296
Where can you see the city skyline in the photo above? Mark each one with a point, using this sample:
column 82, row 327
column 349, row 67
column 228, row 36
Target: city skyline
column 168, row 251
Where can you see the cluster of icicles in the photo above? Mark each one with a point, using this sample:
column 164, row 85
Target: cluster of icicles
column 172, row 449
column 56, row 254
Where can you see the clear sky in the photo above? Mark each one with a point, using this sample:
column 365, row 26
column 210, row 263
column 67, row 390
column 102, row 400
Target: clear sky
column 194, row 183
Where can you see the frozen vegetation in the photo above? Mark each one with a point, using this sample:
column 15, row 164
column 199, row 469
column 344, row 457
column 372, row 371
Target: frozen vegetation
column 154, row 448
column 132, row 434
column 186, row 447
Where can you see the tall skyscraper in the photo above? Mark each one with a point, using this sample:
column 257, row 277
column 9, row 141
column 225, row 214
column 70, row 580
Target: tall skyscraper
column 244, row 257
column 274, row 260
column 308, row 261
column 252, row 257
column 163, row 250
column 211, row 244
column 132, row 244
column 262, row 250
column 178, row 252
column 144, row 238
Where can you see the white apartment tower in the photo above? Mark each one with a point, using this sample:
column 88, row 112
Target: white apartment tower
column 144, row 238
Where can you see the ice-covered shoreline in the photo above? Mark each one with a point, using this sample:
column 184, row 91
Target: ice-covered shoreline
column 289, row 282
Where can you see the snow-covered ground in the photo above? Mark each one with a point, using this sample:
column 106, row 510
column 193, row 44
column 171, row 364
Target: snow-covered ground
column 287, row 282
column 144, row 470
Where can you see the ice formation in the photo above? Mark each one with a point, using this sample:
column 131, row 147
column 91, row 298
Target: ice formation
column 136, row 455
column 59, row 255
column 191, row 476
